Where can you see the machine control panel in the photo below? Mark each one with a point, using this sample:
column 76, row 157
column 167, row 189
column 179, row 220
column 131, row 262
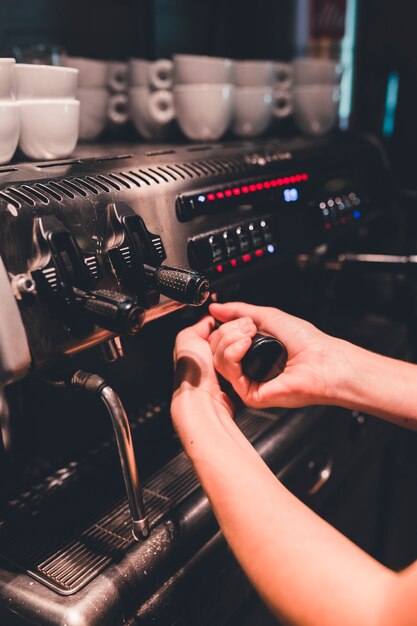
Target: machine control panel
column 225, row 250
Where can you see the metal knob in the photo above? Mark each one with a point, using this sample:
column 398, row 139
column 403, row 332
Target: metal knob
column 266, row 358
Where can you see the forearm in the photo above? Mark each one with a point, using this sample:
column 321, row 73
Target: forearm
column 307, row 572
column 375, row 384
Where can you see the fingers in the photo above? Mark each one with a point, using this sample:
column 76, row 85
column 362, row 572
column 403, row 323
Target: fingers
column 229, row 344
column 242, row 325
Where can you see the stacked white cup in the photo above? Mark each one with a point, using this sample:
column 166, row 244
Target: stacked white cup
column 203, row 95
column 151, row 103
column 254, row 103
column 9, row 113
column 316, row 94
column 93, row 95
column 48, row 108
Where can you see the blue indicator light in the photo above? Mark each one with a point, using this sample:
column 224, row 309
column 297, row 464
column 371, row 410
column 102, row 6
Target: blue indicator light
column 271, row 248
column 291, row 195
column 201, row 198
column 356, row 214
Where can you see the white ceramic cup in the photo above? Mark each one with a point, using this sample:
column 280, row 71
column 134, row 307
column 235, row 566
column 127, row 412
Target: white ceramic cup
column 204, row 112
column 316, row 108
column 283, row 103
column 283, row 75
column 196, row 69
column 44, row 81
column 156, row 74
column 253, row 73
column 312, row 71
column 118, row 111
column 92, row 73
column 151, row 111
column 117, row 76
column 6, row 69
column 94, row 102
column 253, row 110
column 48, row 128
column 9, row 129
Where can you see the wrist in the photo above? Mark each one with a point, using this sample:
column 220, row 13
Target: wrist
column 344, row 367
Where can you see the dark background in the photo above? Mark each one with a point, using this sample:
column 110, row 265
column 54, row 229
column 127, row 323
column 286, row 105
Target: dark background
column 118, row 29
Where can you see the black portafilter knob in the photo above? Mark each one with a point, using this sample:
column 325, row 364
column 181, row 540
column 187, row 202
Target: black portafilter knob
column 179, row 284
column 111, row 310
column 265, row 359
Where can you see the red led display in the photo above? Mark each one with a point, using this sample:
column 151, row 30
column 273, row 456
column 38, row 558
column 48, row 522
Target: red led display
column 246, row 258
column 233, row 263
column 259, row 252
column 219, row 268
column 253, row 187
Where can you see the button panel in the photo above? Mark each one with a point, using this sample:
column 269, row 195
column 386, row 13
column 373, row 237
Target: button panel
column 340, row 210
column 237, row 246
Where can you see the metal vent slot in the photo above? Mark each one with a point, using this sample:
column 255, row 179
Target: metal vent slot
column 10, row 200
column 49, row 192
column 130, row 179
column 20, row 195
column 152, row 177
column 109, row 182
column 185, row 169
column 221, row 166
column 117, row 157
column 8, row 170
column 60, row 188
column 169, row 174
column 44, row 166
column 159, row 152
column 99, row 184
column 191, row 168
column 199, row 148
column 204, row 168
column 176, row 170
column 119, row 180
column 139, row 177
column 34, row 192
column 158, row 175
column 76, row 188
column 89, row 187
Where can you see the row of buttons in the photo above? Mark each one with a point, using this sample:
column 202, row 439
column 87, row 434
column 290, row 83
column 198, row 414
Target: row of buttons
column 233, row 245
column 340, row 210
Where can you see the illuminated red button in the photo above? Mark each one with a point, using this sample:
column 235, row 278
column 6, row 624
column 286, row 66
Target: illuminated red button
column 259, row 186
column 211, row 196
column 286, row 180
column 219, row 268
column 228, row 193
column 236, row 191
column 273, row 183
column 304, row 176
column 280, row 182
column 298, row 178
column 259, row 253
column 293, row 179
column 233, row 263
column 246, row 258
column 267, row 185
column 245, row 189
column 252, row 187
column 220, row 195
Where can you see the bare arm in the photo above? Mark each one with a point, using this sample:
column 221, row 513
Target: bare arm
column 307, row 572
column 320, row 370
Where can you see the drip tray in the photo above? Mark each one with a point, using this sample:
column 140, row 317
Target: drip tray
column 84, row 526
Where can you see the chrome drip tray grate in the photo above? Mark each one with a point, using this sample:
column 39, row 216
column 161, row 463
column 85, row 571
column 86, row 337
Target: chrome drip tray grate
column 83, row 528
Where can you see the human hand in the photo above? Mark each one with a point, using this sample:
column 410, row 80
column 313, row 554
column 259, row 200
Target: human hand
column 196, row 389
column 312, row 365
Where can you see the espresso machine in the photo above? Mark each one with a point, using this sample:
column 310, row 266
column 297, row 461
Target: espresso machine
column 104, row 258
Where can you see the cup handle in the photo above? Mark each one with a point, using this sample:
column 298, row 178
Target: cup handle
column 283, row 75
column 283, row 105
column 118, row 109
column 161, row 107
column 117, row 78
column 161, row 74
